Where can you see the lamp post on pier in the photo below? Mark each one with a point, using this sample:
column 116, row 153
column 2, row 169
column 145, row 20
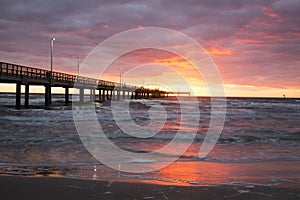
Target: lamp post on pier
column 121, row 73
column 48, row 100
column 77, row 65
column 51, row 62
column 120, row 85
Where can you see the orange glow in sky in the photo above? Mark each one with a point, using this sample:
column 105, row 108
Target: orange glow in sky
column 218, row 51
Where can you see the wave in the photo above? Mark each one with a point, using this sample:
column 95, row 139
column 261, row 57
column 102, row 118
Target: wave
column 193, row 157
column 163, row 138
column 224, row 139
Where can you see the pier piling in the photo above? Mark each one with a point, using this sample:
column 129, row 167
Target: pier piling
column 27, row 96
column 66, row 96
column 18, row 96
column 47, row 96
column 81, row 95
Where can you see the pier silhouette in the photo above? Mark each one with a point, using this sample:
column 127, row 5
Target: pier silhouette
column 107, row 90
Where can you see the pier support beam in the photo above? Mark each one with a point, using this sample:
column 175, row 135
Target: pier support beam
column 110, row 94
column 47, row 96
column 136, row 94
column 66, row 96
column 27, row 96
column 18, row 96
column 50, row 95
column 81, row 95
column 118, row 94
column 92, row 95
column 107, row 94
column 100, row 95
column 113, row 94
column 103, row 95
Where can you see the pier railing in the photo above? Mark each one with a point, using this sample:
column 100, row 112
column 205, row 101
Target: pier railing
column 25, row 73
column 31, row 74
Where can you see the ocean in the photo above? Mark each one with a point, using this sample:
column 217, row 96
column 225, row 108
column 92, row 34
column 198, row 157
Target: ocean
column 259, row 144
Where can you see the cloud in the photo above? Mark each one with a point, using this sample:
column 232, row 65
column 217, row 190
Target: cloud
column 253, row 42
column 218, row 51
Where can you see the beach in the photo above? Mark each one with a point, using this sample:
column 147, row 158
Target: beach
column 12, row 187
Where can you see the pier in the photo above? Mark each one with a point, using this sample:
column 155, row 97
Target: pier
column 100, row 90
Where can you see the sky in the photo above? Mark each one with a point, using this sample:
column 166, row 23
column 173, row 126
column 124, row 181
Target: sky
column 255, row 44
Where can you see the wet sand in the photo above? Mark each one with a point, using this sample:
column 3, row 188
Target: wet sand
column 17, row 187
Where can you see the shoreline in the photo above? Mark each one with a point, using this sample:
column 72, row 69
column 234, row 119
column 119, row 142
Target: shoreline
column 20, row 187
column 180, row 173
